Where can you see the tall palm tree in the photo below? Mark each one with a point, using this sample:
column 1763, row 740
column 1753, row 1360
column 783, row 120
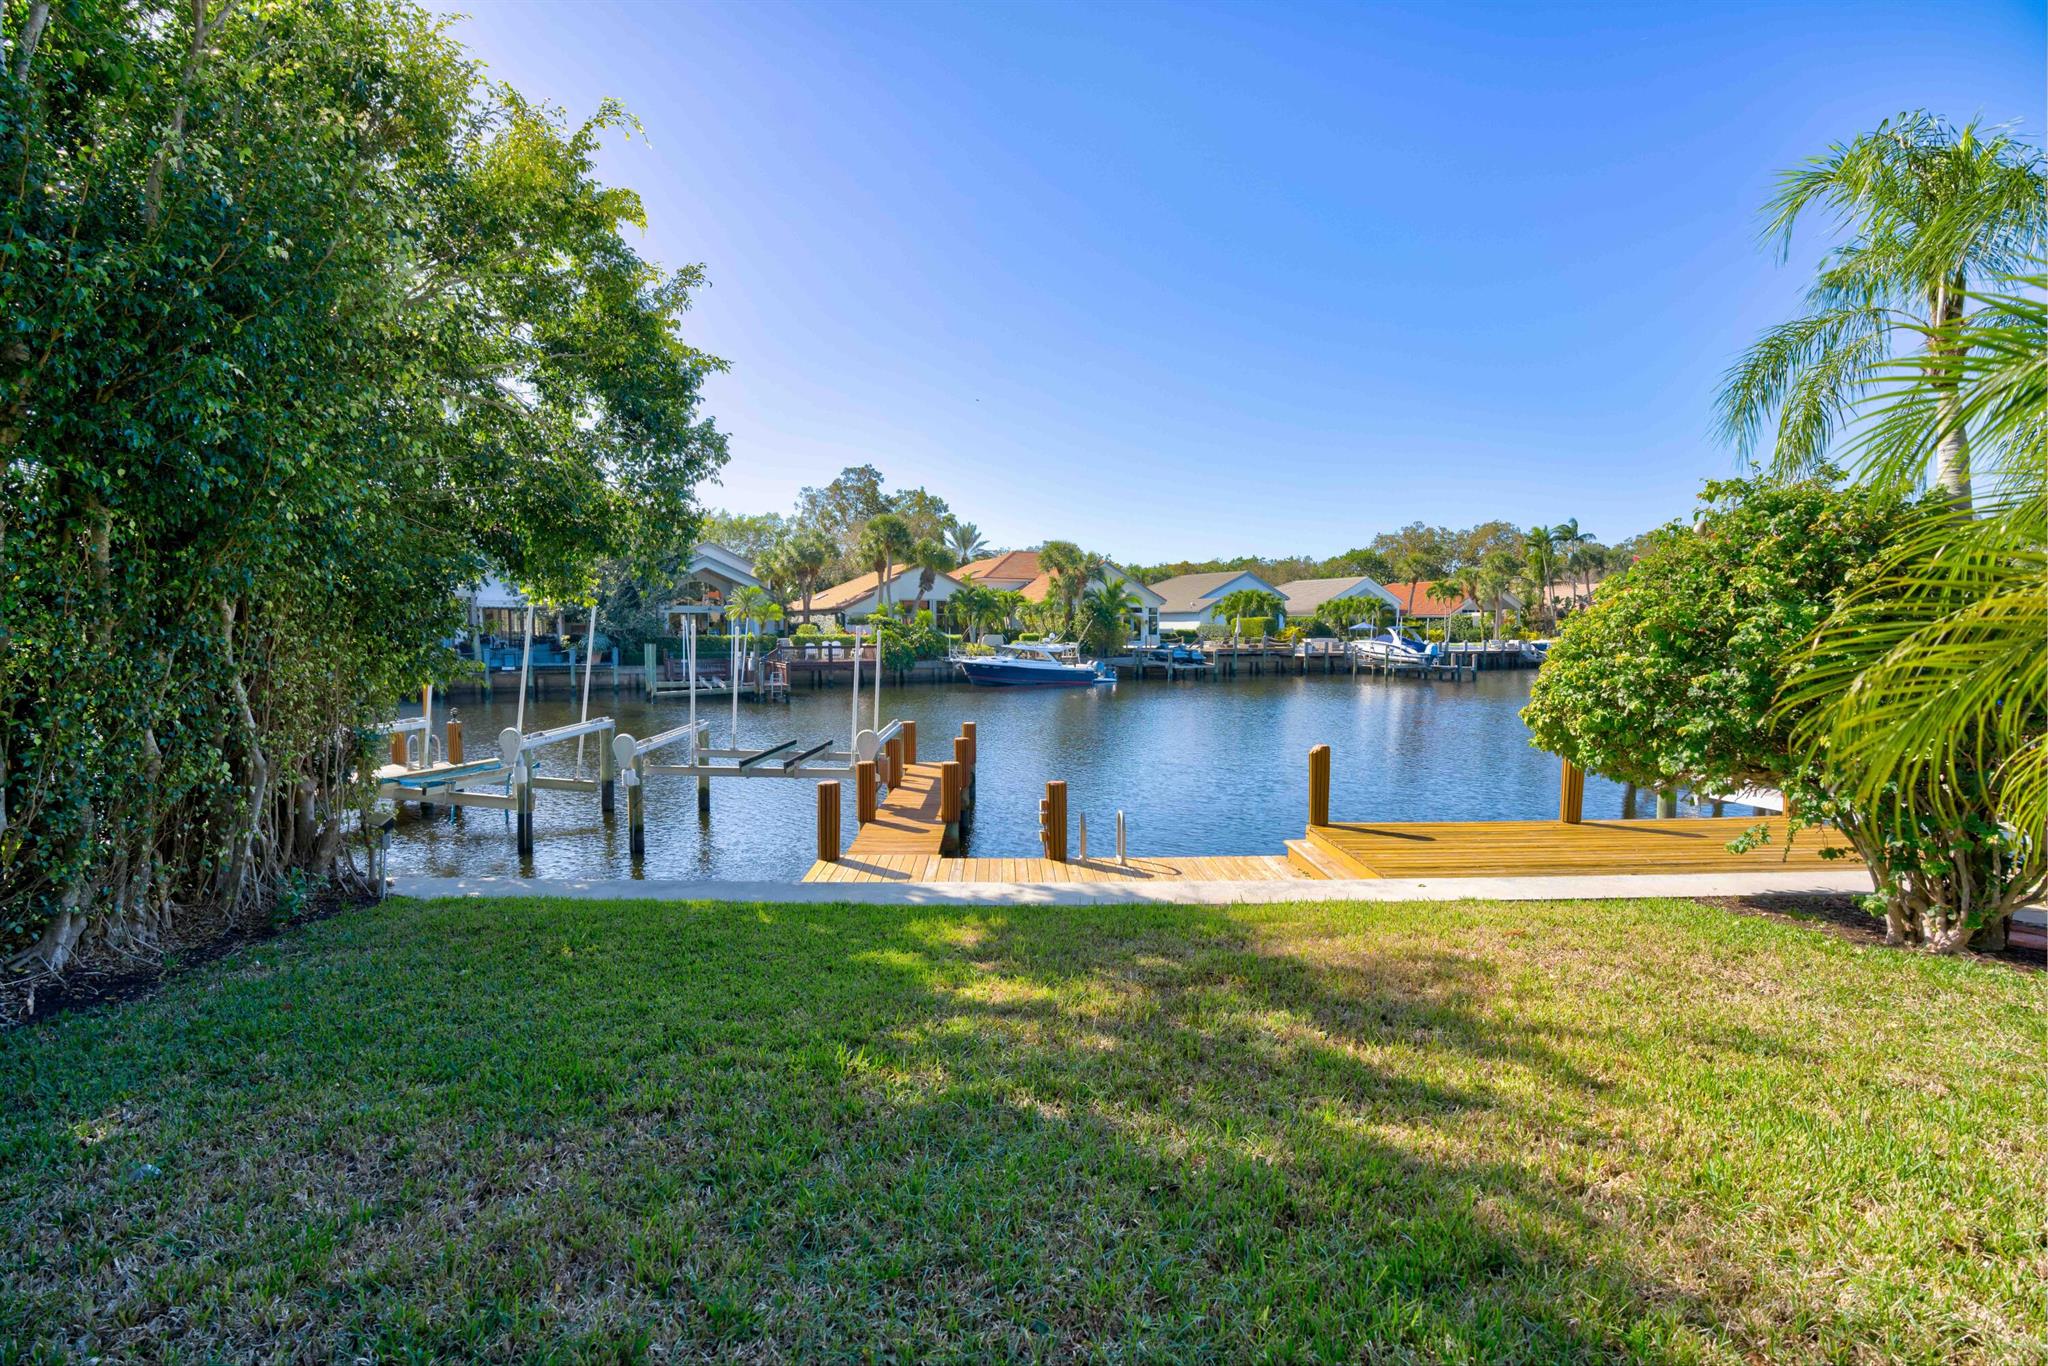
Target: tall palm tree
column 966, row 542
column 1457, row 587
column 1931, row 679
column 932, row 559
column 1539, row 551
column 1496, row 579
column 807, row 555
column 884, row 543
column 1069, row 566
column 1929, row 211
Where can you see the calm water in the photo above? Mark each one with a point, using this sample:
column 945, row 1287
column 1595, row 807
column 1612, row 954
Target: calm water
column 1216, row 767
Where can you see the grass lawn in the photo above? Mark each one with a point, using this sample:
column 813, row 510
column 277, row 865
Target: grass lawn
column 593, row 1131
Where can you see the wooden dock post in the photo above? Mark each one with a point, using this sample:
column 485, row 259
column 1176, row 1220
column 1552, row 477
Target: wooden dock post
column 910, row 742
column 828, row 822
column 607, row 776
column 398, row 748
column 703, row 795
column 1667, row 803
column 973, row 754
column 1319, row 785
column 649, row 669
column 1055, row 821
column 949, row 804
column 960, row 757
column 864, row 784
column 894, row 750
column 452, row 749
column 1571, row 794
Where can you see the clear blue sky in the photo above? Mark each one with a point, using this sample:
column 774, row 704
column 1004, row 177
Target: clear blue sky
column 1191, row 280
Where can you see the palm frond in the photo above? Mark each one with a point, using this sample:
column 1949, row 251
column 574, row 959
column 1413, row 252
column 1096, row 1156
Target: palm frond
column 1822, row 359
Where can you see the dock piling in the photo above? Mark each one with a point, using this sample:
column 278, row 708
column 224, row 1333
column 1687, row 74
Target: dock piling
column 1053, row 820
column 949, row 803
column 909, row 733
column 1319, row 785
column 864, row 784
column 1571, row 794
column 828, row 822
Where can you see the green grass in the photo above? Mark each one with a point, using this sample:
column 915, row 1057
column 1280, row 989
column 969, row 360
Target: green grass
column 595, row 1131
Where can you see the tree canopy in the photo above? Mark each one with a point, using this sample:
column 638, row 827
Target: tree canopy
column 310, row 324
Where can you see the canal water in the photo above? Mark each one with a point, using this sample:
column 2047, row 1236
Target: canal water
column 1198, row 767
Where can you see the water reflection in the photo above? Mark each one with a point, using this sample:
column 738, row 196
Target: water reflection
column 1215, row 767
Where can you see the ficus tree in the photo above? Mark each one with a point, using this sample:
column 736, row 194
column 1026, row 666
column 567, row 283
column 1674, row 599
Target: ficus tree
column 309, row 325
column 1691, row 669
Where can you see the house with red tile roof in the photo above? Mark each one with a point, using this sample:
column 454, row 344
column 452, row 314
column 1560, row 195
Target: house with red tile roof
column 1019, row 571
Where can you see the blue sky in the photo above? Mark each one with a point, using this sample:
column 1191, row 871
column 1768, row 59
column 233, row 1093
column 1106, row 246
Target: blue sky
column 1192, row 280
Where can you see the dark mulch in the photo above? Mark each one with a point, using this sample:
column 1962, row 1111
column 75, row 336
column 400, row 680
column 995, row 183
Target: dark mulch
column 1839, row 914
column 104, row 976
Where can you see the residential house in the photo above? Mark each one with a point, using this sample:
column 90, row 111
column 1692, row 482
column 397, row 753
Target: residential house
column 856, row 600
column 1018, row 571
column 1189, row 600
column 1305, row 597
column 712, row 576
column 1419, row 602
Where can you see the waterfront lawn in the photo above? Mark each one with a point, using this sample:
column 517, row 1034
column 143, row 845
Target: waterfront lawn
column 588, row 1130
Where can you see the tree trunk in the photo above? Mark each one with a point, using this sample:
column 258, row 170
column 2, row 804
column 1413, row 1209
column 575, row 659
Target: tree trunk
column 1952, row 449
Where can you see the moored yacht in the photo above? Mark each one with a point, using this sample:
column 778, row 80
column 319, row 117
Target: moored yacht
column 1394, row 647
column 1033, row 665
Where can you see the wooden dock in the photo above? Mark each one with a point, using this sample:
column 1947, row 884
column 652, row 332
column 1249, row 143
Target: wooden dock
column 908, row 822
column 858, row 867
column 1351, row 849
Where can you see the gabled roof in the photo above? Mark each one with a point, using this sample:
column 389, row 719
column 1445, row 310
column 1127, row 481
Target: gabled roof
column 730, row 563
column 1012, row 566
column 1417, row 600
column 1022, row 568
column 1198, row 592
column 1304, row 596
column 862, row 586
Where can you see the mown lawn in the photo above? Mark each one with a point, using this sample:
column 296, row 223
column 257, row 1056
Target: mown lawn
column 584, row 1131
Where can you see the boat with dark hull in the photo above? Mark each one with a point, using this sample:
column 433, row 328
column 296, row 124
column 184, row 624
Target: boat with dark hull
column 1032, row 665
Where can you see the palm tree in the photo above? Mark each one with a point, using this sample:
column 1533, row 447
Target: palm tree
column 932, row 559
column 971, row 605
column 1929, row 210
column 1106, row 617
column 752, row 607
column 806, row 555
column 1496, row 579
column 1250, row 602
column 1069, row 567
column 1539, row 547
column 965, row 540
column 884, row 542
column 1931, row 681
column 1008, row 606
column 1457, row 587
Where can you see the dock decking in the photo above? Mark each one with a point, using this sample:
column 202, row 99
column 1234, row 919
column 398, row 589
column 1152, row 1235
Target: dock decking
column 856, row 866
column 907, row 822
column 1553, row 848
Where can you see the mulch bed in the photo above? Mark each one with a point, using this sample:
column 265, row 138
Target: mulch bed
column 104, row 976
column 1838, row 913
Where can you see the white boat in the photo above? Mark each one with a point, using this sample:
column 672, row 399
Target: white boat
column 1033, row 665
column 1386, row 645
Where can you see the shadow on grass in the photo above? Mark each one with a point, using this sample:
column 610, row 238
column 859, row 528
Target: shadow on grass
column 494, row 1130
